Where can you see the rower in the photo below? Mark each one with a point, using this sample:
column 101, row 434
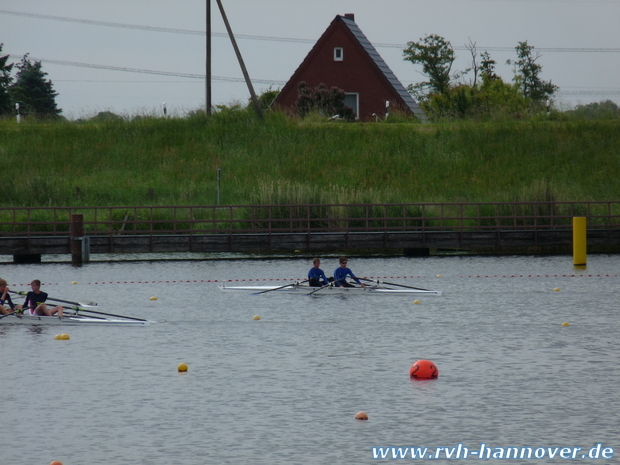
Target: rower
column 341, row 274
column 316, row 277
column 35, row 301
column 5, row 298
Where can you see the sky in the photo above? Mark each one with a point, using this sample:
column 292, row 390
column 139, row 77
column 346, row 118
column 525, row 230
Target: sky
column 135, row 56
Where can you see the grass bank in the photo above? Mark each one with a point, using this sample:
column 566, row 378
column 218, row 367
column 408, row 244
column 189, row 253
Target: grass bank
column 278, row 161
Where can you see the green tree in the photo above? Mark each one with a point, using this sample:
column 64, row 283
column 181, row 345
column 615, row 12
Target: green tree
column 487, row 69
column 527, row 75
column 499, row 98
column 492, row 99
column 606, row 110
column 34, row 93
column 436, row 56
column 265, row 99
column 445, row 95
column 6, row 106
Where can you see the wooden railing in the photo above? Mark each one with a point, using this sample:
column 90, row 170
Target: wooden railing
column 194, row 220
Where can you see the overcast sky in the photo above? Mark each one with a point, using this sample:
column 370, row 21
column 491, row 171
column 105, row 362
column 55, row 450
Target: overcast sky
column 92, row 50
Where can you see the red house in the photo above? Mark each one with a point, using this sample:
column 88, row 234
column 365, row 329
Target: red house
column 344, row 58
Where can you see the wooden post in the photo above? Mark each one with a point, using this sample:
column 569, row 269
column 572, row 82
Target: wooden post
column 77, row 235
column 257, row 107
column 86, row 249
column 579, row 241
column 208, row 103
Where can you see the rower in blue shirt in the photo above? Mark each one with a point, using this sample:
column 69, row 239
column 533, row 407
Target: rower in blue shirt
column 341, row 274
column 316, row 277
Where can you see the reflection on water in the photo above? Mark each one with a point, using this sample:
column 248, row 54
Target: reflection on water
column 285, row 389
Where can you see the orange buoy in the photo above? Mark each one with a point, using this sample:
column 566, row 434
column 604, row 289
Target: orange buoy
column 424, row 369
column 361, row 416
column 56, row 462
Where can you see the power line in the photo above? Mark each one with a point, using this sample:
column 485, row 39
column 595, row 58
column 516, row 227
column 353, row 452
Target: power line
column 147, row 71
column 150, row 28
column 598, row 91
column 603, row 92
column 564, row 90
column 285, row 39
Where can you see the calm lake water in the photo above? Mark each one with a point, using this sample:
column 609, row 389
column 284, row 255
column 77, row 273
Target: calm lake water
column 285, row 389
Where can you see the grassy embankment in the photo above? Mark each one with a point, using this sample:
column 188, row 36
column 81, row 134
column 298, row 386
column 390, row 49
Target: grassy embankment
column 278, row 161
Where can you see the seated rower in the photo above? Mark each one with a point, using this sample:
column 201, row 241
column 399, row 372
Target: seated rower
column 341, row 274
column 316, row 277
column 5, row 298
column 35, row 302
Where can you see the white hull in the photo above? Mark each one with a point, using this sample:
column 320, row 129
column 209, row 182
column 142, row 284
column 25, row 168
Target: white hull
column 66, row 321
column 305, row 290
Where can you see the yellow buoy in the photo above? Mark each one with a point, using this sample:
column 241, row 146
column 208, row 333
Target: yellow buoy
column 256, row 317
column 416, row 302
column 565, row 324
column 65, row 337
column 297, row 251
column 361, row 416
column 557, row 289
column 153, row 298
column 58, row 336
column 182, row 367
column 73, row 282
column 439, row 276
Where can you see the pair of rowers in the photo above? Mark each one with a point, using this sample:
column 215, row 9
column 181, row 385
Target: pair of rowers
column 317, row 278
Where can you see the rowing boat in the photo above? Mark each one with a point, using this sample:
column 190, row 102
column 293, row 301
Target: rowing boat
column 331, row 290
column 70, row 320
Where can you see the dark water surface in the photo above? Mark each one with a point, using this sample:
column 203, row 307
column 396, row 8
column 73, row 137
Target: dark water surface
column 285, row 389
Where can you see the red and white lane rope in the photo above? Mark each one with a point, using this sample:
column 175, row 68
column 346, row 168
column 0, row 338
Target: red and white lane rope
column 178, row 281
column 545, row 276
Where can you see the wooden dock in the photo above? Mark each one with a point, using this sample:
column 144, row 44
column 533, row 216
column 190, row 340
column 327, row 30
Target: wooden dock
column 407, row 229
column 30, row 249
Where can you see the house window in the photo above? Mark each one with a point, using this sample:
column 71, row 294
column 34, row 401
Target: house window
column 338, row 53
column 352, row 101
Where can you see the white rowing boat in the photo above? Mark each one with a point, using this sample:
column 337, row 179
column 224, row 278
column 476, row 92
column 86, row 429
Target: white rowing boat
column 373, row 289
column 13, row 319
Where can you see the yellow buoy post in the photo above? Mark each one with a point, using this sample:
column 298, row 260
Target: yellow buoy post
column 579, row 241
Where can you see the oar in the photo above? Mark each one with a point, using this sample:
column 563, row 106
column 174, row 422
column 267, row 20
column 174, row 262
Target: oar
column 281, row 287
column 78, row 309
column 15, row 313
column 21, row 312
column 318, row 289
column 394, row 284
column 81, row 304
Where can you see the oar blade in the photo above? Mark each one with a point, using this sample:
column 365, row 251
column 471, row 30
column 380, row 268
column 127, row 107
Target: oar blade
column 395, row 284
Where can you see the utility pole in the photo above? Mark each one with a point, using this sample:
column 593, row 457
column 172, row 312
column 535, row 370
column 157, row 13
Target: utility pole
column 240, row 59
column 208, row 62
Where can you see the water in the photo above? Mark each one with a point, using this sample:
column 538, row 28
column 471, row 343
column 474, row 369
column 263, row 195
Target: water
column 285, row 389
